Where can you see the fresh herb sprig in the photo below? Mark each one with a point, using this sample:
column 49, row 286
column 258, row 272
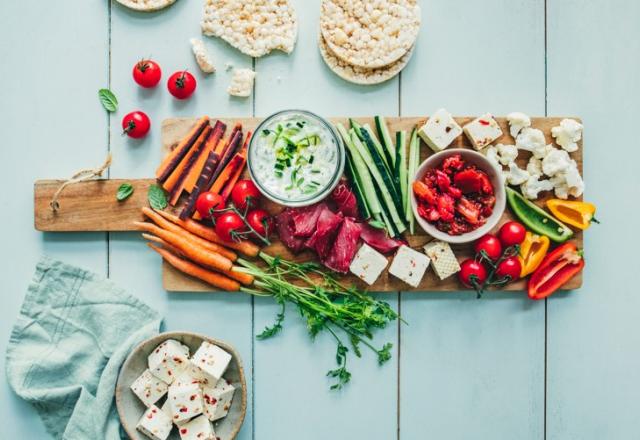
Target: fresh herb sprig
column 325, row 304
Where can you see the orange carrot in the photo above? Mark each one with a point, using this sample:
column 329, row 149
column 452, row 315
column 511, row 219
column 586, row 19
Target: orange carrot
column 244, row 247
column 214, row 137
column 220, row 147
column 164, row 244
column 215, row 279
column 196, row 240
column 177, row 174
column 175, row 156
column 225, row 175
column 195, row 253
column 236, row 175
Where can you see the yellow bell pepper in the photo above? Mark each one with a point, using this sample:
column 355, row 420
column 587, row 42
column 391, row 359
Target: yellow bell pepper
column 532, row 251
column 574, row 213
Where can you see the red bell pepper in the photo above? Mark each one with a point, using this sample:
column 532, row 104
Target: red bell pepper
column 558, row 267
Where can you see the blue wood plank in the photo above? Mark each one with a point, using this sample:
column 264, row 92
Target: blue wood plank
column 593, row 360
column 474, row 368
column 53, row 125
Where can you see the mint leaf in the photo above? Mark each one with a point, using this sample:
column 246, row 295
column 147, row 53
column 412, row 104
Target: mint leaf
column 157, row 197
column 124, row 192
column 108, row 100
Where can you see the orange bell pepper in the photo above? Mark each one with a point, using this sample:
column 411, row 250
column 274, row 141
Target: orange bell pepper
column 572, row 212
column 532, row 251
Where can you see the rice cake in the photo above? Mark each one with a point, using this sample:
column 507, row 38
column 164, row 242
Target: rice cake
column 254, row 27
column 370, row 33
column 146, row 5
column 358, row 75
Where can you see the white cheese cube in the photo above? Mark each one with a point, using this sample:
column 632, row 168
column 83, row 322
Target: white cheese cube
column 149, row 388
column 166, row 408
column 368, row 264
column 241, row 83
column 409, row 265
column 517, row 121
column 440, row 130
column 185, row 401
column 443, row 260
column 482, row 131
column 155, row 424
column 211, row 362
column 567, row 134
column 202, row 56
column 192, row 374
column 197, row 429
column 217, row 400
column 168, row 360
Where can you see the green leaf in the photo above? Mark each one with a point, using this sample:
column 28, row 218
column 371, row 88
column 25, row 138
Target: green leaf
column 124, row 192
column 108, row 100
column 377, row 224
column 275, row 328
column 157, row 197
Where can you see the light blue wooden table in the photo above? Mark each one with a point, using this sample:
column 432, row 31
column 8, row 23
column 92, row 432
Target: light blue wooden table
column 497, row 368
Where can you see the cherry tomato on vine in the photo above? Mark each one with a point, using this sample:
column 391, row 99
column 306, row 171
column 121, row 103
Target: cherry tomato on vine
column 228, row 225
column 245, row 193
column 472, row 273
column 207, row 202
column 260, row 221
column 511, row 233
column 136, row 124
column 509, row 267
column 147, row 73
column 491, row 246
column 181, row 84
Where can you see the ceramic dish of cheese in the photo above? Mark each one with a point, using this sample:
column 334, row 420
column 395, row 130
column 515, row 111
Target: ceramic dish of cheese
column 182, row 386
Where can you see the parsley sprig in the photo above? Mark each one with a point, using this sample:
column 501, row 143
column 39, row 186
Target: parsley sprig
column 345, row 313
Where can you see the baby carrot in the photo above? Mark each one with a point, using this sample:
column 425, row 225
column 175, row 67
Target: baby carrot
column 165, row 224
column 195, row 271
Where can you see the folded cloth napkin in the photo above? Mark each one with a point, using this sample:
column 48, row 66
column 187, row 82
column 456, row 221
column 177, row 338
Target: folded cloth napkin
column 73, row 333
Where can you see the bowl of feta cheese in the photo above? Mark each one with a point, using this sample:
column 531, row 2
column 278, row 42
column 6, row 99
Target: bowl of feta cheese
column 182, row 386
column 295, row 158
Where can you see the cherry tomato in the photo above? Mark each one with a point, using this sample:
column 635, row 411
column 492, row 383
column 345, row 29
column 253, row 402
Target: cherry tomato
column 245, row 193
column 490, row 244
column 511, row 233
column 147, row 73
column 207, row 202
column 260, row 221
column 136, row 124
column 472, row 273
column 181, row 84
column 509, row 267
column 228, row 225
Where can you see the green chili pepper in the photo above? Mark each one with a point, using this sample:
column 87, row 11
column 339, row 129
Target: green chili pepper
column 537, row 219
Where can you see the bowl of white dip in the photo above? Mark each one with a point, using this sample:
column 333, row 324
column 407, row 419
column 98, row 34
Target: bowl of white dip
column 295, row 158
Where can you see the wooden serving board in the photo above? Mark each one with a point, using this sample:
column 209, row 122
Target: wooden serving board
column 91, row 206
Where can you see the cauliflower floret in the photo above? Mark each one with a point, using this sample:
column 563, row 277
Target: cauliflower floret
column 491, row 153
column 560, row 187
column 507, row 153
column 555, row 162
column 516, row 175
column 517, row 121
column 574, row 180
column 532, row 139
column 534, row 167
column 532, row 187
column 567, row 134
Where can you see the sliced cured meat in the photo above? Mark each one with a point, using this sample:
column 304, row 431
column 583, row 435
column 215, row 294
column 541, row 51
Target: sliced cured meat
column 305, row 219
column 378, row 239
column 345, row 246
column 326, row 230
column 285, row 227
column 345, row 200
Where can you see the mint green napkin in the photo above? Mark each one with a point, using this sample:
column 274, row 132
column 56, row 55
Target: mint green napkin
column 73, row 333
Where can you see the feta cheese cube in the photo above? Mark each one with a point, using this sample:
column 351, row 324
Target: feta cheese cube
column 368, row 264
column 202, row 56
column 211, row 362
column 217, row 400
column 185, row 401
column 155, row 424
column 168, row 360
column 517, row 121
column 149, row 388
column 409, row 265
column 567, row 134
column 443, row 260
column 197, row 429
column 482, row 131
column 241, row 83
column 440, row 130
column 191, row 374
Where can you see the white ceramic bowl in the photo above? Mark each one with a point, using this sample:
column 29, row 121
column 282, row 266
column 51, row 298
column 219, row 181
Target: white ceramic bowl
column 130, row 409
column 483, row 164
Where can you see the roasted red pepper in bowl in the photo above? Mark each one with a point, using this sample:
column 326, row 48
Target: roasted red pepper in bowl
column 558, row 267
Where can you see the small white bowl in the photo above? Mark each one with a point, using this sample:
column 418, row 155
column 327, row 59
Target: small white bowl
column 130, row 409
column 483, row 164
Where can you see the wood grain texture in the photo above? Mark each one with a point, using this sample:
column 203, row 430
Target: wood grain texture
column 92, row 206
